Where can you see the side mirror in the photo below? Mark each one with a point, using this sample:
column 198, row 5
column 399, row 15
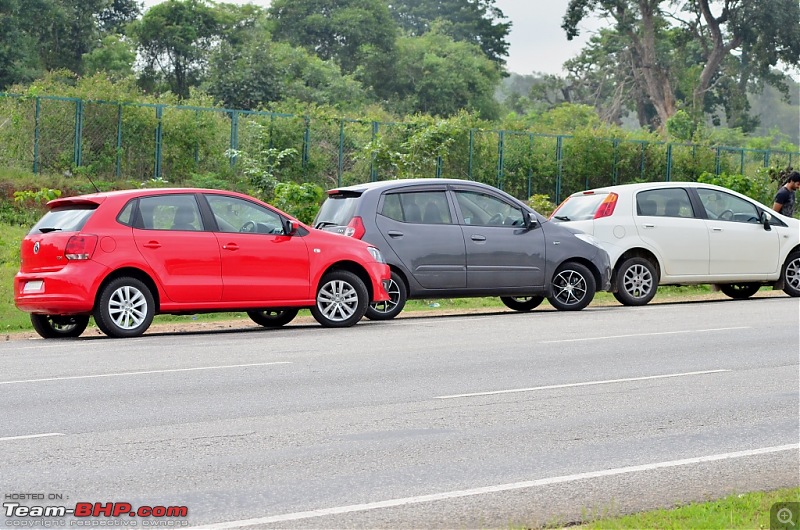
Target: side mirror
column 766, row 218
column 289, row 227
column 528, row 219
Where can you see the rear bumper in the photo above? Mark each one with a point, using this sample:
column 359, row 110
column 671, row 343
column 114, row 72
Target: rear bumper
column 63, row 293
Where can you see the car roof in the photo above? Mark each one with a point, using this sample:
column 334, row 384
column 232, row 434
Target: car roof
column 622, row 188
column 101, row 196
column 397, row 183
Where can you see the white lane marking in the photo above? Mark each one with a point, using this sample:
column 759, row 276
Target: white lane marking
column 496, row 489
column 120, row 374
column 655, row 333
column 586, row 383
column 27, row 436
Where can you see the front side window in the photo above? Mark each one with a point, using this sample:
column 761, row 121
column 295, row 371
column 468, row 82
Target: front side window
column 487, row 210
column 726, row 207
column 170, row 212
column 666, row 202
column 427, row 207
column 238, row 215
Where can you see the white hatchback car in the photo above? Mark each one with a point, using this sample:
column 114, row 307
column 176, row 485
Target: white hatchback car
column 683, row 233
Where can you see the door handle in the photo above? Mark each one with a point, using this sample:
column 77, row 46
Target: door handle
column 476, row 237
column 394, row 233
column 230, row 246
column 649, row 225
column 716, row 229
column 152, row 244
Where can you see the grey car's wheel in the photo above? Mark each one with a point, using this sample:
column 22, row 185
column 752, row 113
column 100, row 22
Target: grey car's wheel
column 272, row 318
column 572, row 288
column 342, row 300
column 636, row 282
column 791, row 275
column 522, row 303
column 59, row 326
column 390, row 308
column 125, row 308
column 739, row 291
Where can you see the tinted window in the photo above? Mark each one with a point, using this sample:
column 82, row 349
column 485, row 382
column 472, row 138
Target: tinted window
column 170, row 212
column 579, row 207
column 238, row 215
column 337, row 210
column 66, row 219
column 726, row 207
column 126, row 215
column 487, row 210
column 428, row 207
column 668, row 202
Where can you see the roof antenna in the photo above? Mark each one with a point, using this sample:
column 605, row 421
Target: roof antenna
column 93, row 184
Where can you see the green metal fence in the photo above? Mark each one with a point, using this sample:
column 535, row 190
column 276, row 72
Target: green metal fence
column 110, row 139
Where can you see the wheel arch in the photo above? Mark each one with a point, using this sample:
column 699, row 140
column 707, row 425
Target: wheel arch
column 131, row 272
column 350, row 266
column 637, row 252
column 598, row 277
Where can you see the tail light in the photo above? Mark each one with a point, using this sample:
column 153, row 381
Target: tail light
column 355, row 228
column 606, row 207
column 80, row 247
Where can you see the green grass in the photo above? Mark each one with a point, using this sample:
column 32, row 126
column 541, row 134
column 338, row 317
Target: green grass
column 746, row 512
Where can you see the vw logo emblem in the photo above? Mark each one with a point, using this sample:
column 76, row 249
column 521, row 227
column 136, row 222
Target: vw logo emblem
column 36, row 248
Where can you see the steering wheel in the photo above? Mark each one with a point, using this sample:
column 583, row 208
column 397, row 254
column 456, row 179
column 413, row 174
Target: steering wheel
column 496, row 219
column 248, row 227
column 726, row 215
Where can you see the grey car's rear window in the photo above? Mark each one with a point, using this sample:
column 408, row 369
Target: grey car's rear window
column 337, row 210
column 579, row 207
column 65, row 219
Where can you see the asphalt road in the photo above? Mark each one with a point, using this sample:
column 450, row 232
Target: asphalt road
column 484, row 420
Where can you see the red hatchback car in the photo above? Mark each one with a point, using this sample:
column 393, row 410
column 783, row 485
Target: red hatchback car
column 126, row 256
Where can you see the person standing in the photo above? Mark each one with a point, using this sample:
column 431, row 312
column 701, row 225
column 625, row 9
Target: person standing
column 784, row 199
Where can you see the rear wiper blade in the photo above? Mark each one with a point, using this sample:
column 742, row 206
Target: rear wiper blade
column 48, row 229
column 562, row 217
column 324, row 223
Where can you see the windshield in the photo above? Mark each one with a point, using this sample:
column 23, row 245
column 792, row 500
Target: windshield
column 337, row 210
column 65, row 219
column 579, row 207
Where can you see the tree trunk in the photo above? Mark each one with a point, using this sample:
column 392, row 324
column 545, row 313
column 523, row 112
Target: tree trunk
column 715, row 57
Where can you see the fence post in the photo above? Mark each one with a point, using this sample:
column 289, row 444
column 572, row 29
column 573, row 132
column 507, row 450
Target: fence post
column 501, row 147
column 471, row 146
column 159, row 137
column 669, row 162
column 530, row 166
column 615, row 169
column 77, row 154
column 717, row 166
column 118, row 162
column 559, row 165
column 340, row 166
column 641, row 170
column 234, row 135
column 36, row 136
column 373, row 173
column 306, row 145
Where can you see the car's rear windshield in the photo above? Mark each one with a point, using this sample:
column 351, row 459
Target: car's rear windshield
column 337, row 210
column 64, row 219
column 579, row 207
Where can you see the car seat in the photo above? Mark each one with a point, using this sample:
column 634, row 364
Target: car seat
column 673, row 208
column 647, row 207
column 432, row 214
column 412, row 213
column 184, row 217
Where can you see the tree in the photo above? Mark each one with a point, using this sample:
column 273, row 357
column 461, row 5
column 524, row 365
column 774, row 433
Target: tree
column 341, row 30
column 115, row 56
column 763, row 33
column 474, row 21
column 175, row 38
column 19, row 61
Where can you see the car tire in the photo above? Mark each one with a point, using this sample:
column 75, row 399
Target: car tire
column 390, row 308
column 522, row 303
column 636, row 281
column 125, row 308
column 572, row 288
column 342, row 300
column 272, row 318
column 59, row 326
column 739, row 291
column 791, row 275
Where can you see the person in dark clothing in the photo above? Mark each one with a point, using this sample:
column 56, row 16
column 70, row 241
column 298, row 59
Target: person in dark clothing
column 784, row 199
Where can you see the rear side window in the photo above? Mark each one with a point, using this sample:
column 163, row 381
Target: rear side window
column 670, row 202
column 337, row 210
column 64, row 219
column 170, row 212
column 428, row 207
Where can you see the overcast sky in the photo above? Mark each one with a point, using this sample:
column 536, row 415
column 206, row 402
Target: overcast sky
column 537, row 42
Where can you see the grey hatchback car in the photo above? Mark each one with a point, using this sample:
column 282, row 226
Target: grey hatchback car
column 450, row 238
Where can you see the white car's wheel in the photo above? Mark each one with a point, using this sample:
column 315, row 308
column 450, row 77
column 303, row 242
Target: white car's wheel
column 637, row 282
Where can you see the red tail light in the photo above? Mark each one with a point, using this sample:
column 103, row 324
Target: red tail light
column 355, row 228
column 606, row 207
column 80, row 247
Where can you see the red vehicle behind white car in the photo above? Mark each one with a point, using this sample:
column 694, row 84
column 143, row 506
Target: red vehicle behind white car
column 126, row 256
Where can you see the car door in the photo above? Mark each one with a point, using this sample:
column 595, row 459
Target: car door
column 739, row 244
column 668, row 224
column 501, row 252
column 259, row 262
column 418, row 226
column 170, row 234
